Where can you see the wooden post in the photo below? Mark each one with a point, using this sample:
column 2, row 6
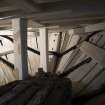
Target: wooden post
column 44, row 49
column 20, row 46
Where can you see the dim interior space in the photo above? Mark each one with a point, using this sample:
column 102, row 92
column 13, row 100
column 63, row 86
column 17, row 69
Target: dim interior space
column 52, row 52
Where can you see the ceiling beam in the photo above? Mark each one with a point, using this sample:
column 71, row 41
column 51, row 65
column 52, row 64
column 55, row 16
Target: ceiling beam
column 8, row 24
column 62, row 14
column 53, row 15
column 95, row 27
column 71, row 21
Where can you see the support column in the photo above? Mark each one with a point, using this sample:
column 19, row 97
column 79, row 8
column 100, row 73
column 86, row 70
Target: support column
column 44, row 49
column 20, row 47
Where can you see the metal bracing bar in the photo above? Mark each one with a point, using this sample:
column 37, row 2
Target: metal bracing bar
column 96, row 53
column 7, row 37
column 20, row 46
column 76, row 46
column 31, row 49
column 67, row 51
column 67, row 72
column 44, row 48
column 7, row 63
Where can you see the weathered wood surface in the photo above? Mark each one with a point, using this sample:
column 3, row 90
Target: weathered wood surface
column 90, row 76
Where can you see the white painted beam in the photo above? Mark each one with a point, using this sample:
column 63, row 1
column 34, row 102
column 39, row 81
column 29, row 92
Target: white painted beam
column 44, row 49
column 6, row 32
column 6, row 53
column 87, row 29
column 95, row 27
column 96, row 53
column 20, row 46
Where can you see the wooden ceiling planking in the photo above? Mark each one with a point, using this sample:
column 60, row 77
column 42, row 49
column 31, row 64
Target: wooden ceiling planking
column 54, row 12
column 25, row 5
column 47, row 1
